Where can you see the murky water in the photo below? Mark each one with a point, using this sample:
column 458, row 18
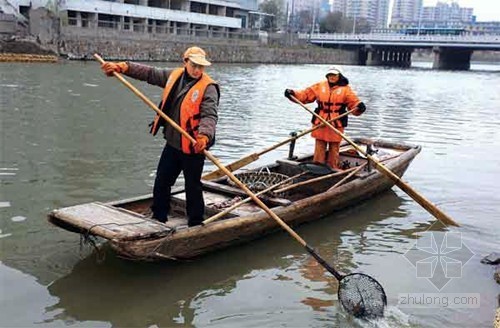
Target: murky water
column 70, row 135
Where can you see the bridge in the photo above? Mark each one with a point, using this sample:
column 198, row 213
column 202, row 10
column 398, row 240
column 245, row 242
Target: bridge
column 383, row 49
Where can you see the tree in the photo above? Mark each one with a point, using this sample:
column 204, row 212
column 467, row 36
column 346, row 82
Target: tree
column 305, row 20
column 271, row 7
column 336, row 23
column 331, row 23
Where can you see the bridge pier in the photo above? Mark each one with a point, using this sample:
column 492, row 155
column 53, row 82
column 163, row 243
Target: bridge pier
column 396, row 57
column 446, row 58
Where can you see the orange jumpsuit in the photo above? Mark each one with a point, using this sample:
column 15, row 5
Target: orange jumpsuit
column 332, row 102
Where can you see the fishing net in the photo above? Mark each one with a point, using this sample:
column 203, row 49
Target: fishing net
column 258, row 181
column 362, row 296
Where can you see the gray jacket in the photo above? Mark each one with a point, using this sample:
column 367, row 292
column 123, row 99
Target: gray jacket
column 208, row 107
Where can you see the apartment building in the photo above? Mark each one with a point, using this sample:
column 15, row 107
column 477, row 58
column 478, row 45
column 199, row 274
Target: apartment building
column 444, row 12
column 374, row 11
column 406, row 11
column 200, row 17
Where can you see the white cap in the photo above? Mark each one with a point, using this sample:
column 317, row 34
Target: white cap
column 334, row 70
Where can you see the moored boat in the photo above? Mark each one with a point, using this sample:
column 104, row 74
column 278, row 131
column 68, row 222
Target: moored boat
column 309, row 196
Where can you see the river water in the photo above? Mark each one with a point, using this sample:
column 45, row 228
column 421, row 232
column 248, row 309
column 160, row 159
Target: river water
column 70, row 135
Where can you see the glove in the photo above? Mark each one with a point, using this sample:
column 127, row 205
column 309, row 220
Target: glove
column 360, row 109
column 110, row 67
column 289, row 92
column 201, row 143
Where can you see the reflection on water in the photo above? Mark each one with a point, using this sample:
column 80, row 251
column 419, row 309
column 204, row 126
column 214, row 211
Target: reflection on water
column 166, row 293
column 70, row 135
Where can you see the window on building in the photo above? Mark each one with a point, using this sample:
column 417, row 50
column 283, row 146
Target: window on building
column 197, row 7
column 213, row 10
column 72, row 20
column 109, row 21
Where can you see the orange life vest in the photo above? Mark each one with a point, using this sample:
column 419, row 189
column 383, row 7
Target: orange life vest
column 189, row 109
column 332, row 102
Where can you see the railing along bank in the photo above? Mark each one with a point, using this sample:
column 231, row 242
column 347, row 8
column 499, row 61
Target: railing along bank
column 493, row 38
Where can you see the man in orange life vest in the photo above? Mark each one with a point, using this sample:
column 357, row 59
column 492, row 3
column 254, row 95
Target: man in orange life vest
column 191, row 99
column 334, row 97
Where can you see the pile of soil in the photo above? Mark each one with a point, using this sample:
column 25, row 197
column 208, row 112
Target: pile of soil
column 23, row 47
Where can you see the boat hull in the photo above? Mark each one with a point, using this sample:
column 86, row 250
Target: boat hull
column 192, row 242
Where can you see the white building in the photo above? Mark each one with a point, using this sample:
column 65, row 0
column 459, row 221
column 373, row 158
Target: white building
column 444, row 12
column 376, row 12
column 406, row 11
column 159, row 16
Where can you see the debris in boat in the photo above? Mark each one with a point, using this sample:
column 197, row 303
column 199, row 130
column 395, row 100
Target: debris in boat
column 493, row 259
column 225, row 204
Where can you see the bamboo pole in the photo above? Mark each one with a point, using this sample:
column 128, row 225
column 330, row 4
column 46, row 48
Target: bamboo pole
column 426, row 204
column 246, row 200
column 255, row 156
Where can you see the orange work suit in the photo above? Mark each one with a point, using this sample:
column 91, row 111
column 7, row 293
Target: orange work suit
column 332, row 102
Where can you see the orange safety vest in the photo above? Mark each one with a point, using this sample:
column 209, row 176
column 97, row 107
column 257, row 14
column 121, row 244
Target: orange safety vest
column 190, row 107
column 332, row 102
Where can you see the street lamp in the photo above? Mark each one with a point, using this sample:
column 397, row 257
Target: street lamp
column 420, row 18
column 354, row 19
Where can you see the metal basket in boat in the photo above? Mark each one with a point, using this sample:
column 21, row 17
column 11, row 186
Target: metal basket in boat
column 258, row 181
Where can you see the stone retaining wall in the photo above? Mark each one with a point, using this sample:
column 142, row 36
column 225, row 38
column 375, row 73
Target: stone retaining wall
column 149, row 50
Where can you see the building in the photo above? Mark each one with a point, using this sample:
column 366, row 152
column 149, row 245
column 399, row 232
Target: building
column 200, row 17
column 443, row 15
column 444, row 12
column 406, row 11
column 374, row 11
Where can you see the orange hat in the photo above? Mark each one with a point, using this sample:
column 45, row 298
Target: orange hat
column 197, row 56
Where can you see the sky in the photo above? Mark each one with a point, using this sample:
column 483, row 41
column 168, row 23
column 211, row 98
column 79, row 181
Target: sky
column 485, row 10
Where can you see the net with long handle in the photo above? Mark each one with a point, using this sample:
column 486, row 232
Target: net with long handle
column 362, row 296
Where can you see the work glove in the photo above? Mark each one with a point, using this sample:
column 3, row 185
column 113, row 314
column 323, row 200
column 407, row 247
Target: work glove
column 201, row 143
column 289, row 92
column 110, row 67
column 360, row 109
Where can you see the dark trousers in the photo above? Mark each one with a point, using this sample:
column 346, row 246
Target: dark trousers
column 172, row 162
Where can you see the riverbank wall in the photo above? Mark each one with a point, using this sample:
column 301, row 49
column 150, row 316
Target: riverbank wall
column 80, row 43
column 238, row 52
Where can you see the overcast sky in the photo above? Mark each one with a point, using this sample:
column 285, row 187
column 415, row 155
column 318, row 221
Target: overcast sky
column 485, row 10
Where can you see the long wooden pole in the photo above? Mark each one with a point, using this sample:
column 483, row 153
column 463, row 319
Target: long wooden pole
column 431, row 208
column 347, row 177
column 309, row 181
column 246, row 200
column 238, row 164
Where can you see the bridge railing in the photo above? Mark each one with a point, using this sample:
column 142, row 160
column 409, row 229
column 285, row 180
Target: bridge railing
column 400, row 37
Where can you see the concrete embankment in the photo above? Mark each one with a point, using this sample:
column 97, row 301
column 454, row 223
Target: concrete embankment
column 154, row 50
column 240, row 52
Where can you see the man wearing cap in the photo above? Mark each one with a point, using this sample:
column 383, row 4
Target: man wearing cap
column 334, row 97
column 191, row 99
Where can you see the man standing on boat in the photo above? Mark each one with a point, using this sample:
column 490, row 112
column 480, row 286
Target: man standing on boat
column 334, row 97
column 191, row 99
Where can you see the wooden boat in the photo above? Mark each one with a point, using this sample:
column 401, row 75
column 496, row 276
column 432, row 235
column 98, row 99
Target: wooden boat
column 125, row 223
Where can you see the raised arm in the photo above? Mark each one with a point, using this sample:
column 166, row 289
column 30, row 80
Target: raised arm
column 149, row 74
